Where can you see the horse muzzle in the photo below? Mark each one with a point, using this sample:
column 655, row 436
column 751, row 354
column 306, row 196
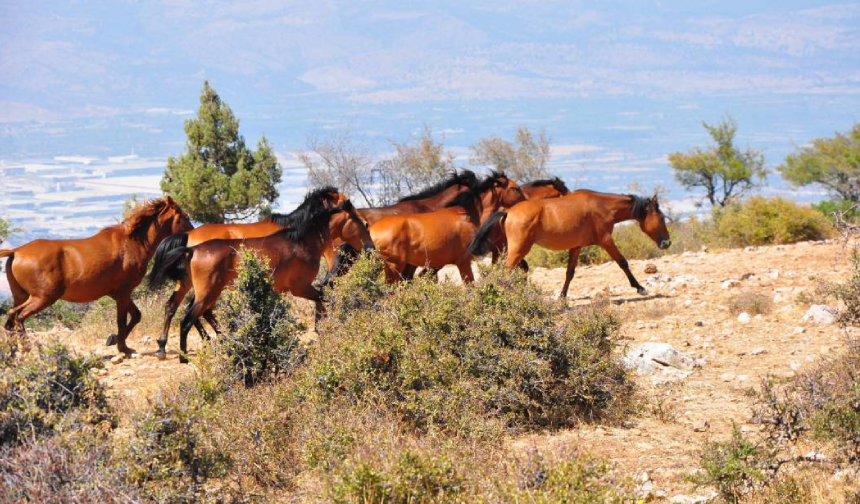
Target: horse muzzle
column 664, row 244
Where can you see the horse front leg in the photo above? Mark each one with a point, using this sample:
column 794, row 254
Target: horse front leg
column 609, row 246
column 571, row 270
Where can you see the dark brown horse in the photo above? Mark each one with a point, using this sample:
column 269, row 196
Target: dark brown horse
column 435, row 239
column 571, row 222
column 341, row 223
column 293, row 253
column 110, row 263
column 545, row 188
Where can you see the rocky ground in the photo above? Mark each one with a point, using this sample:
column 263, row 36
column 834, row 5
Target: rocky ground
column 703, row 389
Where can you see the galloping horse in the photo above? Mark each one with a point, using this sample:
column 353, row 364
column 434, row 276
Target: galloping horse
column 429, row 199
column 344, row 223
column 534, row 190
column 435, row 239
column 571, row 222
column 110, row 263
column 294, row 255
column 545, row 188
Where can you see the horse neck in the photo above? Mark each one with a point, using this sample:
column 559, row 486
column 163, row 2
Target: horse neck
column 445, row 196
column 337, row 224
column 488, row 204
column 155, row 234
column 621, row 208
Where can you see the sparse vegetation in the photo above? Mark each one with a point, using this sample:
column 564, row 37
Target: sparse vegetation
column 735, row 467
column 749, row 301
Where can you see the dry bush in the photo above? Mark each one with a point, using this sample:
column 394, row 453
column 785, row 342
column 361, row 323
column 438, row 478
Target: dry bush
column 749, row 301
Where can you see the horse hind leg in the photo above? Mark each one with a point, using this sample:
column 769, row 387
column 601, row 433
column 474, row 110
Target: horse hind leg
column 191, row 319
column 179, row 293
column 312, row 293
column 27, row 309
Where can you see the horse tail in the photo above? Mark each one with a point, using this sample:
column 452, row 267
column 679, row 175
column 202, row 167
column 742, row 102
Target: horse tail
column 170, row 260
column 6, row 253
column 480, row 245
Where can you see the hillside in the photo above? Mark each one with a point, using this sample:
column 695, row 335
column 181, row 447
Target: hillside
column 688, row 307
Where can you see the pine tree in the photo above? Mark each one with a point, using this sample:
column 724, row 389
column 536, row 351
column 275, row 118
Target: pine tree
column 218, row 178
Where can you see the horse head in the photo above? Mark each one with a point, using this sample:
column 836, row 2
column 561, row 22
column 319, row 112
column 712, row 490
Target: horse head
column 507, row 192
column 178, row 219
column 652, row 221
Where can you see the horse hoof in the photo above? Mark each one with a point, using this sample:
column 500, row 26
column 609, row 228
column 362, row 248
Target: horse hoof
column 642, row 291
column 183, row 360
column 161, row 355
column 111, row 340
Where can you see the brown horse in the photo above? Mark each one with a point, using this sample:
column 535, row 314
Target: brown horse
column 110, row 263
column 571, row 222
column 435, row 239
column 545, row 188
column 534, row 190
column 294, row 255
column 342, row 223
column 427, row 200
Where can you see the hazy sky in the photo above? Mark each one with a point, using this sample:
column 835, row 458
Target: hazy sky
column 101, row 78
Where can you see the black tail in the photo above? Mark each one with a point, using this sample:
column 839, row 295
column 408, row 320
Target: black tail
column 160, row 273
column 479, row 245
column 172, row 266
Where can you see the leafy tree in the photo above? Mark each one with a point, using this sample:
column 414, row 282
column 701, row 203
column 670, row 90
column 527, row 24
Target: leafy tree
column 422, row 161
column 723, row 170
column 219, row 179
column 522, row 162
column 830, row 162
column 5, row 229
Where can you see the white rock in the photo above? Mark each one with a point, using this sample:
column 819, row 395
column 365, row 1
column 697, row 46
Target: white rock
column 744, row 318
column 819, row 314
column 774, row 274
column 758, row 351
column 661, row 361
column 730, row 284
column 692, row 499
column 117, row 359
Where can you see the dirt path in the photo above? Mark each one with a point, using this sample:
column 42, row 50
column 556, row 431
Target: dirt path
column 686, row 307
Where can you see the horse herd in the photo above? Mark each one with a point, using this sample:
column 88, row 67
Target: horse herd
column 448, row 223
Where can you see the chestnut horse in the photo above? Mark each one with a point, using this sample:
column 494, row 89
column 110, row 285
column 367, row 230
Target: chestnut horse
column 574, row 221
column 110, row 263
column 534, row 190
column 435, row 239
column 344, row 223
column 427, row 200
column 294, row 255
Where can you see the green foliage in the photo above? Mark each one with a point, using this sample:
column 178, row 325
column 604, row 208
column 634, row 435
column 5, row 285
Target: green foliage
column 830, row 162
column 842, row 209
column 848, row 293
column 260, row 336
column 62, row 313
column 47, row 390
column 463, row 359
column 762, row 221
column 219, row 178
column 521, row 162
column 6, row 229
column 723, row 170
column 735, row 467
column 168, row 456
column 414, row 479
column 575, row 479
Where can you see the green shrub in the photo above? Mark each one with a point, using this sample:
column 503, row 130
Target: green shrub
column 46, row 390
column 62, row 313
column 414, row 479
column 463, row 358
column 761, row 221
column 168, row 456
column 832, row 208
column 260, row 336
column 735, row 467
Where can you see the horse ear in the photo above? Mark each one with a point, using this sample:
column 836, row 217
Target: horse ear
column 170, row 201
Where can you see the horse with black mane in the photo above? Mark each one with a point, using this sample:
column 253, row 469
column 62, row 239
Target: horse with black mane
column 293, row 253
column 545, row 188
column 110, row 263
column 571, row 222
column 348, row 222
column 435, row 239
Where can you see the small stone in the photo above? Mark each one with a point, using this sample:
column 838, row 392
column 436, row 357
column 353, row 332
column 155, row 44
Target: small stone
column 730, row 284
column 117, row 359
column 688, row 302
column 798, row 330
column 747, row 276
column 128, row 372
column 701, row 426
column 774, row 274
column 746, row 428
column 727, row 377
column 699, row 323
column 744, row 318
column 758, row 351
column 135, row 355
column 650, row 268
column 750, row 249
column 102, row 372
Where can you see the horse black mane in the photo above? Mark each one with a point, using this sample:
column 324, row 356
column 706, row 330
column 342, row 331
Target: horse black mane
column 310, row 215
column 466, row 199
column 556, row 182
column 465, row 177
column 641, row 206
